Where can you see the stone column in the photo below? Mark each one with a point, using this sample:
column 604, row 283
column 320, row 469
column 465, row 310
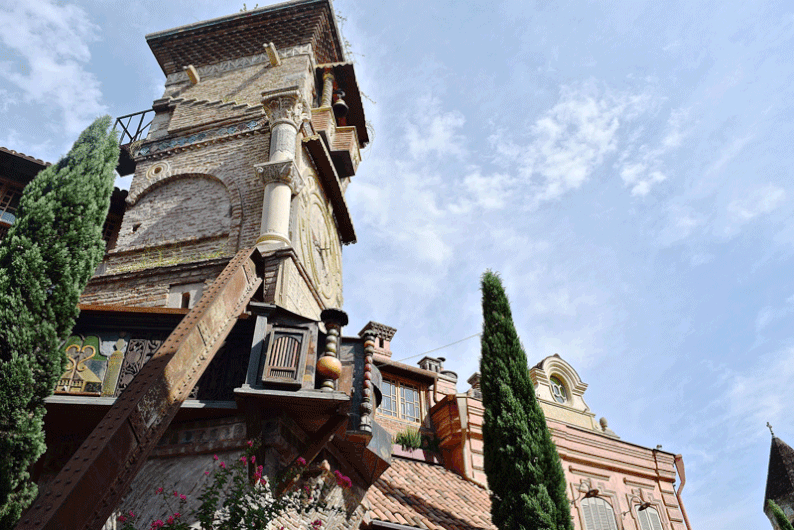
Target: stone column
column 328, row 88
column 285, row 110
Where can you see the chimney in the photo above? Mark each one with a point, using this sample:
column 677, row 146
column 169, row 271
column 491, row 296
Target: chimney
column 474, row 381
column 383, row 334
column 432, row 364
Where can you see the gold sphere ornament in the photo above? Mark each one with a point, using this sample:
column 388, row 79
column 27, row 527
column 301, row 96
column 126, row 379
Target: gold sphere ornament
column 329, row 367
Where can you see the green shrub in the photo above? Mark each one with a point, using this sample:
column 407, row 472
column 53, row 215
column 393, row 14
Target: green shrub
column 409, row 439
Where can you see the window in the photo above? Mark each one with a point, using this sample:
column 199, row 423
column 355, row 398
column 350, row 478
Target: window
column 9, row 202
column 401, row 401
column 184, row 296
column 649, row 518
column 598, row 514
column 284, row 359
column 389, row 404
column 558, row 390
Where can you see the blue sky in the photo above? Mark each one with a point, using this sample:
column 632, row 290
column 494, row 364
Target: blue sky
column 623, row 165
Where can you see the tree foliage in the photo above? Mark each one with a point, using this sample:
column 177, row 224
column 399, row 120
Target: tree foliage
column 780, row 517
column 46, row 259
column 521, row 462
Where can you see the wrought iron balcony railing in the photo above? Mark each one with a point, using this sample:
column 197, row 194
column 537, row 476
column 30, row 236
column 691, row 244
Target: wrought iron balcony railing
column 134, row 127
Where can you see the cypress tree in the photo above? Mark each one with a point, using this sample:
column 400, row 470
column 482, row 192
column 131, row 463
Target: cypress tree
column 521, row 462
column 780, row 517
column 46, row 259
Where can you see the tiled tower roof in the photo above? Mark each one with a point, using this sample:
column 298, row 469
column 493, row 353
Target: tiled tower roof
column 243, row 34
column 780, row 478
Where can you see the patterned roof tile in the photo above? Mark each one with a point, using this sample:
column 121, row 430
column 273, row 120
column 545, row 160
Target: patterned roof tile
column 429, row 496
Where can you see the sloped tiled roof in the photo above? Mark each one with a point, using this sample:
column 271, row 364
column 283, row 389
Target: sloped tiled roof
column 24, row 156
column 780, row 478
column 428, row 496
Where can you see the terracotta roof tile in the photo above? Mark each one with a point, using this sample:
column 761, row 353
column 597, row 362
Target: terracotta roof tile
column 428, row 496
column 24, row 156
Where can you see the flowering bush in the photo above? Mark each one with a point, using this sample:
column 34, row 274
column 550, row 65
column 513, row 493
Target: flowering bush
column 250, row 502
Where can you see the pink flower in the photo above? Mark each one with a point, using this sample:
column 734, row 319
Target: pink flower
column 207, row 473
column 170, row 520
column 317, row 523
column 122, row 519
column 250, row 443
column 253, row 459
column 342, row 480
column 300, row 461
column 132, row 514
column 259, row 469
column 176, row 494
column 215, row 457
column 177, row 515
column 158, row 524
column 183, row 497
column 244, row 459
column 159, row 490
column 222, row 464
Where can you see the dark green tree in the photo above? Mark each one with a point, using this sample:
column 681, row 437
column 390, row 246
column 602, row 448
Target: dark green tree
column 780, row 517
column 521, row 462
column 46, row 259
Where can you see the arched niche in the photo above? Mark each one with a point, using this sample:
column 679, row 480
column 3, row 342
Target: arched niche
column 181, row 209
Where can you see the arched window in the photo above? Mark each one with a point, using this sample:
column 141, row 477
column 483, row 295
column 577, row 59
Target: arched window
column 649, row 519
column 558, row 389
column 598, row 514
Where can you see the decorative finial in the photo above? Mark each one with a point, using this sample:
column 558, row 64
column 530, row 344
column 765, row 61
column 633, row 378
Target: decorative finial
column 770, row 429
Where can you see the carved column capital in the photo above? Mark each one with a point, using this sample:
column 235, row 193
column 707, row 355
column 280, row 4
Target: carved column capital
column 285, row 105
column 283, row 171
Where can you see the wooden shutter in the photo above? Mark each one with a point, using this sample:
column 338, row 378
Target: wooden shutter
column 598, row 514
column 285, row 360
column 649, row 519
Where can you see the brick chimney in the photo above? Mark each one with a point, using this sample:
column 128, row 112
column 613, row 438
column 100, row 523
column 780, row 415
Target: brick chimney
column 384, row 335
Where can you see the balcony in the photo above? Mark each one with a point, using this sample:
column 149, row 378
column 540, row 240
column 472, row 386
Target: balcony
column 132, row 128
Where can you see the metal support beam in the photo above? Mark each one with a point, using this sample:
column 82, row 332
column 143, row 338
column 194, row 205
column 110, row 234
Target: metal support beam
column 88, row 489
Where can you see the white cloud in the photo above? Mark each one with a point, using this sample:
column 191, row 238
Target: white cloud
column 755, row 397
column 435, row 131
column 575, row 135
column 489, row 192
column 52, row 41
column 759, row 201
column 769, row 315
column 572, row 139
column 728, row 154
column 681, row 221
column 643, row 167
column 639, row 178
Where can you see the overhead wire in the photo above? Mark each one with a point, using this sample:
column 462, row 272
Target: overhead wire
column 439, row 348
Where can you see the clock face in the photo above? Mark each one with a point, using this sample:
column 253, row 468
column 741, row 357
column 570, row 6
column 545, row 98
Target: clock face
column 321, row 250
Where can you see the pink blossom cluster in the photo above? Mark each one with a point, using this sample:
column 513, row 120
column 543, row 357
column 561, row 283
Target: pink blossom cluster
column 316, row 524
column 258, row 478
column 123, row 518
column 342, row 480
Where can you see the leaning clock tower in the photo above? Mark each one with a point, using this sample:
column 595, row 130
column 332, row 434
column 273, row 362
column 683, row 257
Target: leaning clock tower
column 253, row 143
